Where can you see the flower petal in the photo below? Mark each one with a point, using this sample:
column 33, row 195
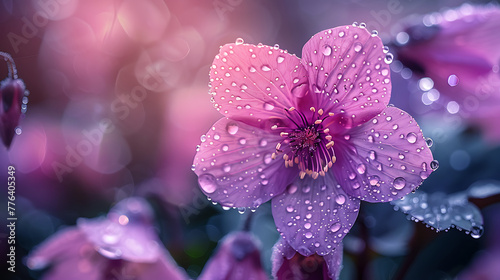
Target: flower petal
column 250, row 82
column 313, row 215
column 384, row 159
column 288, row 264
column 235, row 168
column 347, row 68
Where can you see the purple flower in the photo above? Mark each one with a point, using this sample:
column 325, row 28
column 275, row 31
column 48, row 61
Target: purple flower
column 289, row 264
column 122, row 246
column 11, row 92
column 457, row 53
column 238, row 257
column 315, row 135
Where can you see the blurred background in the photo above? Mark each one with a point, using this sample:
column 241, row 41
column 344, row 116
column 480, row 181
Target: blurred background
column 118, row 102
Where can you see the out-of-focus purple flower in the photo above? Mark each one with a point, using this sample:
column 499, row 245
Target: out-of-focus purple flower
column 457, row 54
column 315, row 135
column 289, row 264
column 238, row 257
column 12, row 91
column 123, row 244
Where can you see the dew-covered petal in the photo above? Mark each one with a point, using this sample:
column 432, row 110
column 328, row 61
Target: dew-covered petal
column 383, row 159
column 235, row 167
column 441, row 211
column 237, row 257
column 134, row 242
column 288, row 264
column 314, row 215
column 68, row 252
column 253, row 83
column 348, row 72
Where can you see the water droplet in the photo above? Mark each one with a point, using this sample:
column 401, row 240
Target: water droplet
column 207, row 182
column 306, row 189
column 340, row 199
column 429, row 142
column 252, row 69
column 335, row 227
column 292, row 189
column 423, row 175
column 232, row 128
column 327, row 50
column 267, row 158
column 411, row 137
column 476, row 231
column 372, row 155
column 239, row 41
column 388, row 58
column 203, row 138
column 226, row 168
column 357, row 47
column 265, row 68
column 399, row 183
column 361, row 168
column 401, row 156
column 263, row 142
column 289, row 209
column 268, row 106
column 18, row 130
column 241, row 210
column 216, row 136
column 225, row 147
column 307, row 225
column 280, row 59
column 308, row 234
column 434, row 164
column 341, row 34
column 242, row 141
column 374, row 180
column 109, row 252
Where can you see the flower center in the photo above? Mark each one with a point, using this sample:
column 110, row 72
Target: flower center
column 308, row 145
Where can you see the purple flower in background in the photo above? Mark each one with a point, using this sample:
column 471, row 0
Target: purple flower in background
column 12, row 91
column 289, row 264
column 238, row 257
column 315, row 135
column 456, row 55
column 123, row 245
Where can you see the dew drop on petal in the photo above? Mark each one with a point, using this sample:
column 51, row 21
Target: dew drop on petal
column 292, row 189
column 308, row 234
column 327, row 50
column 207, row 182
column 358, row 47
column 434, row 164
column 335, row 227
column 429, row 142
column 232, row 128
column 361, row 168
column 265, row 68
column 411, row 137
column 388, row 58
column 268, row 106
column 239, row 41
column 374, row 180
column 399, row 183
column 341, row 34
column 476, row 231
column 263, row 142
column 340, row 199
column 225, row 147
column 242, row 141
column 226, row 168
column 280, row 59
column 289, row 209
column 373, row 155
